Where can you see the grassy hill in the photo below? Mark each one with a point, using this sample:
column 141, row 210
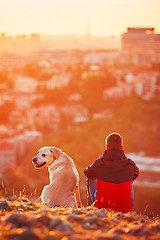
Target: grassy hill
column 135, row 119
column 23, row 219
column 84, row 144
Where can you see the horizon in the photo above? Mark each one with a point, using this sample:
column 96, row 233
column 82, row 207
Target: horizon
column 67, row 17
column 58, row 35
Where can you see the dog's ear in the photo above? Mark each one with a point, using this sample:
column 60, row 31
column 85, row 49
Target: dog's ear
column 56, row 151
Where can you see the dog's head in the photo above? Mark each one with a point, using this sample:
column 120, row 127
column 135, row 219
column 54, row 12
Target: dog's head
column 45, row 156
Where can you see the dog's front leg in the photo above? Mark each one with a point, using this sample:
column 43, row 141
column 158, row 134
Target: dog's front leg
column 45, row 195
column 77, row 195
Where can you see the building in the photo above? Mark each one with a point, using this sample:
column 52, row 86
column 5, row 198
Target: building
column 59, row 81
column 7, row 153
column 141, row 43
column 25, row 85
column 141, row 40
column 14, row 145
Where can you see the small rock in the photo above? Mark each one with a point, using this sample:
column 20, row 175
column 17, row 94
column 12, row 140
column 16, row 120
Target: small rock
column 4, row 206
column 92, row 223
column 109, row 238
column 65, row 227
column 155, row 228
column 71, row 237
column 28, row 203
column 12, row 198
column 25, row 235
column 45, row 220
column 54, row 223
column 79, row 211
column 118, row 231
column 19, row 220
column 99, row 213
column 115, row 220
column 140, row 231
column 74, row 218
column 120, row 215
column 129, row 219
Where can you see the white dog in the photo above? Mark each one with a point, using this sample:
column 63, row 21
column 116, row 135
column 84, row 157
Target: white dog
column 63, row 189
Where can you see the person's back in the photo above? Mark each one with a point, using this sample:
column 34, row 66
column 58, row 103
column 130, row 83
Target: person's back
column 114, row 174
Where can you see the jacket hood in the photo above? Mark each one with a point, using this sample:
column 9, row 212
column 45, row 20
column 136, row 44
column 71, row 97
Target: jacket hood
column 114, row 160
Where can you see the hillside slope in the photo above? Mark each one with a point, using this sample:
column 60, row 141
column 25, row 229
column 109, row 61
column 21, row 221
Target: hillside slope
column 22, row 219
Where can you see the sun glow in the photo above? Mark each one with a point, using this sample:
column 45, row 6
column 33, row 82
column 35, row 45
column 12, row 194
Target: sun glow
column 104, row 17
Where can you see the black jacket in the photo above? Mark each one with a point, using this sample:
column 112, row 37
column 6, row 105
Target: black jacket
column 113, row 166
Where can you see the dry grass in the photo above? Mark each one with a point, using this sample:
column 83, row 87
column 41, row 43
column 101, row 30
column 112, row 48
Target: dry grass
column 23, row 219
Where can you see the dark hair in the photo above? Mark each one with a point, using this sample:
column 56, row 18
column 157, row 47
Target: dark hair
column 114, row 141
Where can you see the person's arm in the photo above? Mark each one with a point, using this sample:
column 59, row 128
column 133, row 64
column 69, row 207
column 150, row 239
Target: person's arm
column 136, row 170
column 90, row 172
column 136, row 173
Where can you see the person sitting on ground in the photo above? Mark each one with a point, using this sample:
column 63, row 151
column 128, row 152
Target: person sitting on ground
column 111, row 176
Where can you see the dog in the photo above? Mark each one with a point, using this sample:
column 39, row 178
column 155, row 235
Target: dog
column 63, row 189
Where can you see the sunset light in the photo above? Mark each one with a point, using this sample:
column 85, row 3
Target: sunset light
column 105, row 17
column 79, row 119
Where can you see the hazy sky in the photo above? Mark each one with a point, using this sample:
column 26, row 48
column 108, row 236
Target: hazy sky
column 103, row 17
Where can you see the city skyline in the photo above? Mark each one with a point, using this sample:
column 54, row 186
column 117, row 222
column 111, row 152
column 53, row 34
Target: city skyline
column 64, row 17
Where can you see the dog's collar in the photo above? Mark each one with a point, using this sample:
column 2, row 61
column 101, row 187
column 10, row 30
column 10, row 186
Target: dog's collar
column 51, row 168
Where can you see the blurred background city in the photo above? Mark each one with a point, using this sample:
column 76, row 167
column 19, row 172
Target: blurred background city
column 70, row 74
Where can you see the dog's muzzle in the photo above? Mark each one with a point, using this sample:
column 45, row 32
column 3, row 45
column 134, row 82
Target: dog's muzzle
column 34, row 161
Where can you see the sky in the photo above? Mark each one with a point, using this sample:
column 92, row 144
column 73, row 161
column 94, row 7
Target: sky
column 98, row 17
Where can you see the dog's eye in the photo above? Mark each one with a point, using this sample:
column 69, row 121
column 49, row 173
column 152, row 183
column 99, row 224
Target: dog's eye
column 43, row 155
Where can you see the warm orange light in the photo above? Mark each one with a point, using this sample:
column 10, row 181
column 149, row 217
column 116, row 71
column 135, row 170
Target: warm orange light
column 102, row 17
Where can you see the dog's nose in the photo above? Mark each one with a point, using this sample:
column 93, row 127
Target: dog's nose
column 34, row 160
